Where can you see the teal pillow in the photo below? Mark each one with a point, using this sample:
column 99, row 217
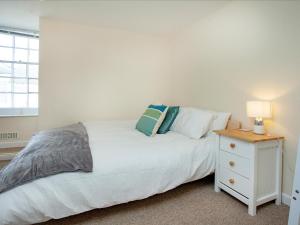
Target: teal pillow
column 169, row 119
column 152, row 119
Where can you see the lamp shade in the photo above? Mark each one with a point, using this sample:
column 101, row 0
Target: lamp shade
column 261, row 109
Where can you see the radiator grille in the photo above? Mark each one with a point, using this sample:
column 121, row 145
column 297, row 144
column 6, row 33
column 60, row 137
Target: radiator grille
column 9, row 136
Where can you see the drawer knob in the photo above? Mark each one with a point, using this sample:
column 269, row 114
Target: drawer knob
column 231, row 181
column 232, row 145
column 231, row 163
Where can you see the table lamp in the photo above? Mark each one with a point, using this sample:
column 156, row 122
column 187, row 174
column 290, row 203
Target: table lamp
column 259, row 110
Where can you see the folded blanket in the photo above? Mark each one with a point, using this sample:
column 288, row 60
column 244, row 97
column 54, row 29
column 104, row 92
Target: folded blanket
column 49, row 152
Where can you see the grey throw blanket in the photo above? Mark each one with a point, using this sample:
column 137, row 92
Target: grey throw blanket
column 49, row 152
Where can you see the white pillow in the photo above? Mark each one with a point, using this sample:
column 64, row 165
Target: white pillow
column 220, row 120
column 192, row 122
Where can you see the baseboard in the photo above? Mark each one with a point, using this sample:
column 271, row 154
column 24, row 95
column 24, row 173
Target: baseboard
column 13, row 144
column 286, row 199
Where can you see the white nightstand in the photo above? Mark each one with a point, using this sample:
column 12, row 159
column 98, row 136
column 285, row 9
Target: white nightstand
column 249, row 167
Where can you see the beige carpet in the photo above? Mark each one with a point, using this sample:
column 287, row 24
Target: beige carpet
column 195, row 203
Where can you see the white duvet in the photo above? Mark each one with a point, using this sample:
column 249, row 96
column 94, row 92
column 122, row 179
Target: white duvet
column 127, row 166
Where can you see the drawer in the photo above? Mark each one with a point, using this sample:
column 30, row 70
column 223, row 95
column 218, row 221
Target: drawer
column 235, row 163
column 236, row 146
column 234, row 181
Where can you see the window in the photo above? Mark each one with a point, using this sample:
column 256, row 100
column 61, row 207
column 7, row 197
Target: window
column 19, row 72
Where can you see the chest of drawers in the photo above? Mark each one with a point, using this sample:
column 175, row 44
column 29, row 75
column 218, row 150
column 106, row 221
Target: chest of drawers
column 249, row 167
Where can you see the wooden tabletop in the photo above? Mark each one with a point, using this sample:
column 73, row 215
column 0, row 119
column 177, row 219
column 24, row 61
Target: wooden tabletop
column 248, row 136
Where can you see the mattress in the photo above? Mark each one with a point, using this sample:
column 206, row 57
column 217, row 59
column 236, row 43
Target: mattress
column 127, row 166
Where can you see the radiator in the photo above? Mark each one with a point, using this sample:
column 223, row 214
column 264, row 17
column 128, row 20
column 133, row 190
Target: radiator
column 6, row 136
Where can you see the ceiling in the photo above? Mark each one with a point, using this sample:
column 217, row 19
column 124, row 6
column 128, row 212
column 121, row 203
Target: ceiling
column 155, row 17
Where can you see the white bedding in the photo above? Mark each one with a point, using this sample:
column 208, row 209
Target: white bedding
column 127, row 166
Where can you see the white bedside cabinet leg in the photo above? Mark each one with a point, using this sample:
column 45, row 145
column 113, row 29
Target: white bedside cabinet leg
column 278, row 199
column 217, row 146
column 253, row 182
column 252, row 209
column 279, row 173
column 217, row 189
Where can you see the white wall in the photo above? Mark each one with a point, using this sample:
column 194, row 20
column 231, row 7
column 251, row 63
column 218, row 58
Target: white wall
column 89, row 73
column 25, row 126
column 245, row 51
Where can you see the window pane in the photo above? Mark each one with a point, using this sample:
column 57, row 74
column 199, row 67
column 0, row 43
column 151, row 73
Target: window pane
column 5, row 100
column 6, row 53
column 20, row 100
column 5, row 84
column 34, row 43
column 21, row 42
column 6, row 40
column 33, row 56
column 20, row 85
column 33, row 71
column 21, row 55
column 33, row 85
column 21, row 77
column 33, row 101
column 19, row 70
column 5, row 69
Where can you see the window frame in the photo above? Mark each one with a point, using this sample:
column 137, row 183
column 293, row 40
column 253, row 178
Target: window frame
column 20, row 111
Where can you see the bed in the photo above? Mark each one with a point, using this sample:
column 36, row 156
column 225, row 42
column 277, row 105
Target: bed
column 127, row 166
